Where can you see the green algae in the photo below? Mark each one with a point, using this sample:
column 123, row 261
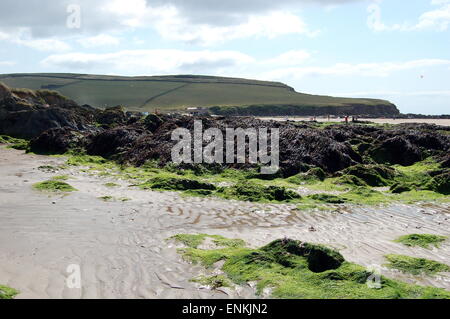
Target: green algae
column 292, row 269
column 54, row 186
column 7, row 292
column 195, row 240
column 258, row 193
column 421, row 240
column 216, row 281
column 407, row 184
column 415, row 266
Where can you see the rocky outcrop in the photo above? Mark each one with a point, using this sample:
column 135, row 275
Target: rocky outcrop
column 58, row 141
column 114, row 141
column 57, row 125
column 27, row 113
column 385, row 109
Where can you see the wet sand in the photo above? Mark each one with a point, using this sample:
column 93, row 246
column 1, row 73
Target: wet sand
column 441, row 122
column 122, row 249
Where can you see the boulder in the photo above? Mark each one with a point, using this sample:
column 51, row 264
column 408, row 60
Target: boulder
column 372, row 175
column 57, row 141
column 397, row 150
column 113, row 141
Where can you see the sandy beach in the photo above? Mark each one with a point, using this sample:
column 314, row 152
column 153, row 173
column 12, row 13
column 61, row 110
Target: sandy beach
column 122, row 250
column 441, row 122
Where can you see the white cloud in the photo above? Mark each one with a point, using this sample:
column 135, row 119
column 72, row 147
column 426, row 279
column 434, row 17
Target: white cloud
column 206, row 22
column 285, row 67
column 270, row 25
column 345, row 69
column 438, row 19
column 22, row 37
column 7, row 63
column 51, row 45
column 394, row 93
column 99, row 40
column 146, row 62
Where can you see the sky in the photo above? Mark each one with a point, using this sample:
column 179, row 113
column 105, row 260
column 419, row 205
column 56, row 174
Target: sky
column 391, row 49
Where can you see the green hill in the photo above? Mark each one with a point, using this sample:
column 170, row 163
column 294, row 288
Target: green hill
column 167, row 93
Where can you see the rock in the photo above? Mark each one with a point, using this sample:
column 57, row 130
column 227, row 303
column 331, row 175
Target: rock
column 440, row 183
column 113, row 141
column 399, row 188
column 397, row 150
column 320, row 258
column 31, row 123
column 327, row 198
column 152, row 122
column 310, row 146
column 112, row 116
column 5, row 92
column 446, row 162
column 57, row 141
column 350, row 180
column 372, row 175
column 179, row 184
column 27, row 114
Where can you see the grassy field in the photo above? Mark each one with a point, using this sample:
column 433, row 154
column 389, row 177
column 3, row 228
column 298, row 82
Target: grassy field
column 174, row 92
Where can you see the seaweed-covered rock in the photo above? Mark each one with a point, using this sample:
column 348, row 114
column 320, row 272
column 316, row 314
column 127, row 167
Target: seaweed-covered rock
column 152, row 122
column 313, row 175
column 254, row 192
column 178, row 184
column 310, row 146
column 5, row 92
column 327, row 198
column 114, row 141
column 112, row 116
column 57, row 141
column 31, row 123
column 319, row 258
column 399, row 188
column 373, row 175
column 397, row 150
column 316, row 173
column 440, row 183
column 351, row 180
column 446, row 162
column 27, row 113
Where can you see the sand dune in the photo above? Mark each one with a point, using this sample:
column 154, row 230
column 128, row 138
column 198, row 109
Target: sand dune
column 122, row 249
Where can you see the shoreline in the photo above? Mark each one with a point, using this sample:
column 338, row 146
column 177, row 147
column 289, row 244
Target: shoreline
column 440, row 122
column 122, row 247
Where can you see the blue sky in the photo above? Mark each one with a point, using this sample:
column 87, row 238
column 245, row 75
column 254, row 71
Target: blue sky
column 393, row 49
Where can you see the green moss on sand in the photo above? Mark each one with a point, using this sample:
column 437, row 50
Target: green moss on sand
column 372, row 175
column 422, row 240
column 327, row 198
column 106, row 198
column 195, row 240
column 7, row 292
column 254, row 192
column 16, row 143
column 247, row 185
column 292, row 269
column 54, row 186
column 111, row 185
column 60, row 178
column 313, row 175
column 415, row 266
column 176, row 184
column 213, row 282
